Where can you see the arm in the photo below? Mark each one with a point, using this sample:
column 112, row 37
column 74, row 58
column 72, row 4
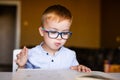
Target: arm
column 22, row 58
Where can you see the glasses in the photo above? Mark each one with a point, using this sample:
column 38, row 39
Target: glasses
column 55, row 34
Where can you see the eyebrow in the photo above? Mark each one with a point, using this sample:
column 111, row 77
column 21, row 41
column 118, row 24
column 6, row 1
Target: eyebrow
column 57, row 29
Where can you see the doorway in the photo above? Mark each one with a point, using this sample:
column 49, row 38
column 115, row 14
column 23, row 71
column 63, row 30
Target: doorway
column 9, row 30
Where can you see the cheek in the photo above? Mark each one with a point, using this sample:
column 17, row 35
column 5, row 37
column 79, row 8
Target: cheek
column 45, row 36
column 63, row 42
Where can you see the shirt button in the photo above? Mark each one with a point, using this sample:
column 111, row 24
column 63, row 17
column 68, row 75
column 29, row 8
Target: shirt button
column 52, row 60
column 46, row 53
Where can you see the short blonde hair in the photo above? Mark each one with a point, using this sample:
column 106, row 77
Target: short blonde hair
column 56, row 12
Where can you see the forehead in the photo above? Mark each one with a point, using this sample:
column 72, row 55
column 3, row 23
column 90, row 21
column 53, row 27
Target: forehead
column 62, row 25
column 55, row 21
column 55, row 17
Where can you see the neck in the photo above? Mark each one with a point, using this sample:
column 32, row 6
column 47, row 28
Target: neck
column 49, row 50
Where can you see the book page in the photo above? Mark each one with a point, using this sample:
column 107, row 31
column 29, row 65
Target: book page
column 95, row 75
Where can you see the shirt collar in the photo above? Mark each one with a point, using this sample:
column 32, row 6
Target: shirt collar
column 43, row 51
column 41, row 48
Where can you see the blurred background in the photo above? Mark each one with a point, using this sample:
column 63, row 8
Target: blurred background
column 95, row 28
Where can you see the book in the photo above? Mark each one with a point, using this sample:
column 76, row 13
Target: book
column 95, row 75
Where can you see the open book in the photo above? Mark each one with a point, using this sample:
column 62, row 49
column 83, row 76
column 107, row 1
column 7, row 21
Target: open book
column 95, row 75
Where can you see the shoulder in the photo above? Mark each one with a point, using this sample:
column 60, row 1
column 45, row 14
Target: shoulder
column 67, row 50
column 34, row 50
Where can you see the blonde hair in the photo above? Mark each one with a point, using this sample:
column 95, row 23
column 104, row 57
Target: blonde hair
column 56, row 12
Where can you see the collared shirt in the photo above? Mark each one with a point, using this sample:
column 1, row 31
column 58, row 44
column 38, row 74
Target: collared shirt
column 64, row 58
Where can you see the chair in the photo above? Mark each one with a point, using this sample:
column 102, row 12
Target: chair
column 115, row 68
column 111, row 67
column 14, row 65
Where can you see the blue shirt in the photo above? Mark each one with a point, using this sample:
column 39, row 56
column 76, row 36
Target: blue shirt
column 64, row 58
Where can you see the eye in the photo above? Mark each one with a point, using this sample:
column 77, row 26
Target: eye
column 65, row 33
column 53, row 32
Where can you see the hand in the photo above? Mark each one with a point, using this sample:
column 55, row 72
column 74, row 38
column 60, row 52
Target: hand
column 81, row 68
column 22, row 58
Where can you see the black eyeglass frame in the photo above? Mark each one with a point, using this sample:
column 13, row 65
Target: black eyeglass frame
column 58, row 33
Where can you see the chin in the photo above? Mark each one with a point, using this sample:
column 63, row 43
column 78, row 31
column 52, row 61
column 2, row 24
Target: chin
column 56, row 48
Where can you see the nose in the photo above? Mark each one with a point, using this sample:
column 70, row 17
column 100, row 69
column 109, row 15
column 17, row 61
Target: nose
column 59, row 36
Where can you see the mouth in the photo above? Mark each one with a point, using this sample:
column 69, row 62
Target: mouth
column 57, row 44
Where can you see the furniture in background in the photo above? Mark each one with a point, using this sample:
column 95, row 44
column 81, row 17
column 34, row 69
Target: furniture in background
column 14, row 65
column 95, row 58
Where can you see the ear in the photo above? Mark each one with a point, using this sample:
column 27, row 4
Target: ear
column 40, row 31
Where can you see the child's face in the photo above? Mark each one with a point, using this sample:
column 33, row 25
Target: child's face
column 54, row 26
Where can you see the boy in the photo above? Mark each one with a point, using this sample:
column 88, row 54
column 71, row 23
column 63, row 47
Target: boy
column 51, row 54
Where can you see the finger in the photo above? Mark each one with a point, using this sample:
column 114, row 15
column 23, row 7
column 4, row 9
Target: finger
column 88, row 70
column 17, row 61
column 22, row 53
column 25, row 51
column 74, row 67
column 80, row 68
column 85, row 69
column 18, row 56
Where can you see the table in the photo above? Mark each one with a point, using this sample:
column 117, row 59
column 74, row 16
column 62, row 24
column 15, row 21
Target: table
column 48, row 75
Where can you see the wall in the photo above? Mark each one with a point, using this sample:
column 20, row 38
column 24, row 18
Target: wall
column 85, row 27
column 110, row 24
